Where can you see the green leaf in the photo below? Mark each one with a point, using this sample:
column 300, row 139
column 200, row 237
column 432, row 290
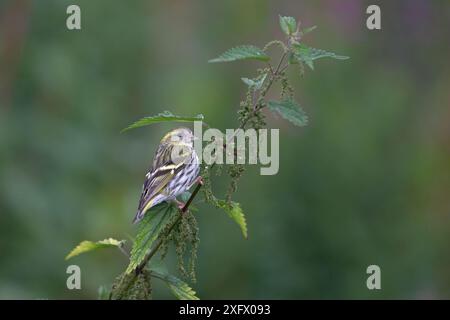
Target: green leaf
column 308, row 30
column 249, row 82
column 162, row 117
column 241, row 53
column 86, row 246
column 256, row 83
column 179, row 288
column 235, row 212
column 292, row 59
column 289, row 110
column 151, row 226
column 307, row 54
column 103, row 293
column 288, row 25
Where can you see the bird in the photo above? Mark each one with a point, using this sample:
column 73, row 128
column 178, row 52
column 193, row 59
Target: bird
column 174, row 170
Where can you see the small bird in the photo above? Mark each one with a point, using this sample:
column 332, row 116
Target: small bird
column 175, row 169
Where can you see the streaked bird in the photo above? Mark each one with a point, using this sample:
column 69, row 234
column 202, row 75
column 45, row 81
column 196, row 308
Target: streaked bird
column 174, row 170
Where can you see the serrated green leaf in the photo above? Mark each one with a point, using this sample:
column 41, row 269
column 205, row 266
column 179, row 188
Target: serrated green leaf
column 241, row 53
column 288, row 25
column 307, row 54
column 235, row 212
column 249, row 82
column 86, row 246
column 308, row 30
column 149, row 230
column 179, row 288
column 309, row 62
column 289, row 110
column 256, row 83
column 162, row 117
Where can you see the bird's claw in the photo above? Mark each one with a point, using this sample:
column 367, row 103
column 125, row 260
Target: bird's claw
column 180, row 204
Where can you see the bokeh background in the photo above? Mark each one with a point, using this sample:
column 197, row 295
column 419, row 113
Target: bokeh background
column 366, row 182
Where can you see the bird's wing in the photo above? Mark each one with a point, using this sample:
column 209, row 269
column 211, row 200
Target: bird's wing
column 162, row 172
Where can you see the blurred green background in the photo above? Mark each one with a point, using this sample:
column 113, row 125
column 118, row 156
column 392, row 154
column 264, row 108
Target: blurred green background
column 366, row 182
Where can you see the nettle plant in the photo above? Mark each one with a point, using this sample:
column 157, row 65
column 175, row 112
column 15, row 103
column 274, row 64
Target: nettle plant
column 165, row 225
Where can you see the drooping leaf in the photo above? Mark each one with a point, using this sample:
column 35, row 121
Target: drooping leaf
column 288, row 25
column 86, row 246
column 235, row 212
column 179, row 288
column 162, row 117
column 256, row 83
column 241, row 53
column 289, row 110
column 151, row 226
column 307, row 54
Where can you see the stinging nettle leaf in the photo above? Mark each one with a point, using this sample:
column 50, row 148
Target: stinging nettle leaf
column 179, row 288
column 290, row 111
column 307, row 54
column 235, row 212
column 150, row 228
column 308, row 30
column 257, row 83
column 86, row 246
column 249, row 82
column 288, row 25
column 165, row 116
column 241, row 53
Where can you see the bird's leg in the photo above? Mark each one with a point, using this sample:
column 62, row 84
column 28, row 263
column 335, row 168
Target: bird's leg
column 180, row 204
column 199, row 180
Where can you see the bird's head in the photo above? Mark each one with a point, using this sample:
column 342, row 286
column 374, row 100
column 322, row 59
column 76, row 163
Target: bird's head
column 179, row 136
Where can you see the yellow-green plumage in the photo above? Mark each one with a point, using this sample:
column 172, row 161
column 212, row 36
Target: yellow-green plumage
column 175, row 168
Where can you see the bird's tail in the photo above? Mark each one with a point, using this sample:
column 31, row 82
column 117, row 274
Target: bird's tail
column 138, row 217
column 142, row 210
